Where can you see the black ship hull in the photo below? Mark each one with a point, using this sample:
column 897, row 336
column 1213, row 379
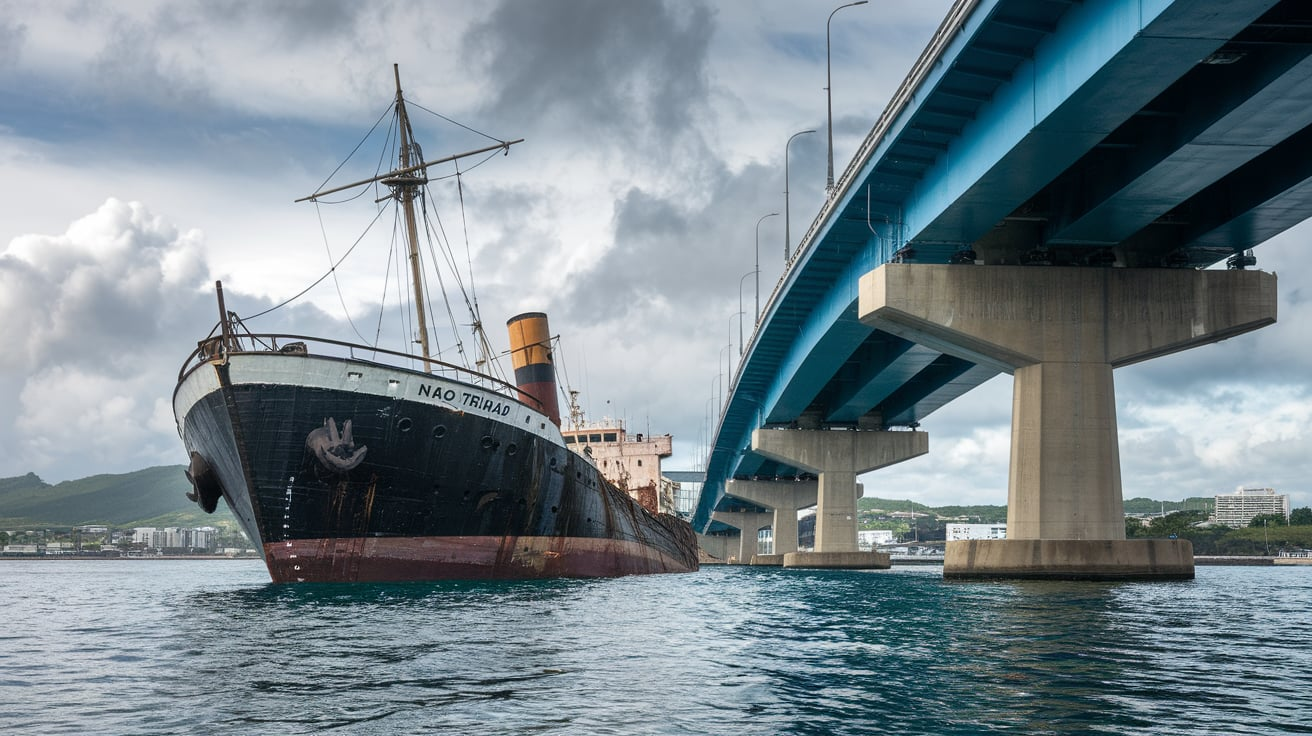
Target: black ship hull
column 349, row 470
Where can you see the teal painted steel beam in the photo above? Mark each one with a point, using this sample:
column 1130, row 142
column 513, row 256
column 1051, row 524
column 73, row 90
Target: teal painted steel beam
column 1223, row 116
column 878, row 378
column 1104, row 62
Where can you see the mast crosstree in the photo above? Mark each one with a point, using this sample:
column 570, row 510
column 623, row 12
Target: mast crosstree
column 405, row 181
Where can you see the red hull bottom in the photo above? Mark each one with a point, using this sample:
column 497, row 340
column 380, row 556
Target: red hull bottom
column 394, row 559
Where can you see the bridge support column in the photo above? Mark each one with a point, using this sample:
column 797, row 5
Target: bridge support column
column 837, row 457
column 717, row 546
column 1060, row 332
column 785, row 498
column 749, row 523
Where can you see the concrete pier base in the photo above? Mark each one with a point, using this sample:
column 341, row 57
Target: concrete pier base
column 1069, row 559
column 838, row 560
column 717, row 547
column 768, row 560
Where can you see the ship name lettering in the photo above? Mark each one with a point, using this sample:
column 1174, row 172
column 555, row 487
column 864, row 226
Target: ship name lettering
column 437, row 392
column 491, row 406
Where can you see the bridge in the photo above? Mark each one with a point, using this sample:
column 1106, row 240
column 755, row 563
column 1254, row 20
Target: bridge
column 1043, row 196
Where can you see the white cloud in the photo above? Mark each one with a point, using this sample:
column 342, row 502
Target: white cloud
column 93, row 319
column 163, row 150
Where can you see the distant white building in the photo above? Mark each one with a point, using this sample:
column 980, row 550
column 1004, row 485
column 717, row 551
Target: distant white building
column 957, row 532
column 175, row 537
column 871, row 538
column 1238, row 509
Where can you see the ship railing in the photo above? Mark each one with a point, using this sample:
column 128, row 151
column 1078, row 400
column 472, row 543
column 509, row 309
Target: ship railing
column 218, row 347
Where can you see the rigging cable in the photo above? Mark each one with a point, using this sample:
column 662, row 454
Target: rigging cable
column 382, row 306
column 330, row 270
column 444, row 241
column 341, row 299
column 433, row 234
column 405, row 313
column 449, row 120
column 479, row 332
column 391, row 109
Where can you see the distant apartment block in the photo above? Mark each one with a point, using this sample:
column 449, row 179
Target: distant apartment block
column 1238, row 509
column 956, row 532
column 174, row 537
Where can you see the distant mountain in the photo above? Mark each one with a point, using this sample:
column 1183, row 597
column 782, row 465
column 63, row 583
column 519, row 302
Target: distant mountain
column 157, row 497
column 151, row 497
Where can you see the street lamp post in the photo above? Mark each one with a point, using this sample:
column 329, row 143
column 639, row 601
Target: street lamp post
column 740, row 310
column 788, row 240
column 739, row 315
column 829, row 93
column 724, row 388
column 758, row 264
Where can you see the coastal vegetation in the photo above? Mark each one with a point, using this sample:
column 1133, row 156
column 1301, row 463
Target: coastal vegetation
column 1267, row 534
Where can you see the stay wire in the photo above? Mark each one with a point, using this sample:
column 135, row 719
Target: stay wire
column 330, row 271
column 390, row 108
column 337, row 284
column 438, row 234
column 412, row 103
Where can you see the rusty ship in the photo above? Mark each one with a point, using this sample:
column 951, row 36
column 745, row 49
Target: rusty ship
column 348, row 462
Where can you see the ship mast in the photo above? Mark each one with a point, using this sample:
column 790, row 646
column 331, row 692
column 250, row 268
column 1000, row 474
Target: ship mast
column 406, row 187
column 405, row 182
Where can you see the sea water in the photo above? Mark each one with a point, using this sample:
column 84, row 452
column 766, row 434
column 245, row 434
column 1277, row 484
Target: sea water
column 211, row 647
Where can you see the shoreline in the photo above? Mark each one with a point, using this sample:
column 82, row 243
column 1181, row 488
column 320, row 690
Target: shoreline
column 107, row 558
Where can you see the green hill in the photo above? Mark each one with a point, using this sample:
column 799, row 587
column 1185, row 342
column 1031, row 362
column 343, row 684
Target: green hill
column 1137, row 506
column 151, row 497
column 1141, row 506
column 985, row 514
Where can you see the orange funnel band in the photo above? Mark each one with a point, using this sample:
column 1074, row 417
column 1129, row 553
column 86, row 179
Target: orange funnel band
column 530, row 354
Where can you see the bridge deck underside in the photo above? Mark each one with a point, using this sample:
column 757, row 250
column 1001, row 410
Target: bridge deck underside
column 1040, row 132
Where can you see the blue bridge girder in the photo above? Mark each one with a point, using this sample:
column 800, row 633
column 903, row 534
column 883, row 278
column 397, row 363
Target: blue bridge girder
column 1133, row 133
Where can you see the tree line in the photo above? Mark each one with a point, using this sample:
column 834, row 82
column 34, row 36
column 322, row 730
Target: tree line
column 1266, row 534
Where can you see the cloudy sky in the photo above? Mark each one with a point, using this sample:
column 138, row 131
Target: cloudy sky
column 150, row 148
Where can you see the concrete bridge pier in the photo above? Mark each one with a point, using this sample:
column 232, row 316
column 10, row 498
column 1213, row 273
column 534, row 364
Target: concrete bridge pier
column 785, row 498
column 837, row 457
column 1060, row 332
column 749, row 523
column 718, row 546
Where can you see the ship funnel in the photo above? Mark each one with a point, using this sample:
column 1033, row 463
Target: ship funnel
column 530, row 354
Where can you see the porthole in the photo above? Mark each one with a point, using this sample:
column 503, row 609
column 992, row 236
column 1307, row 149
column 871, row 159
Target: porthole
column 555, row 509
column 553, row 462
column 512, row 448
column 404, row 424
column 488, row 442
column 439, row 431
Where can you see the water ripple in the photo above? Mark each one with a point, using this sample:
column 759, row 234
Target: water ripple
column 183, row 647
